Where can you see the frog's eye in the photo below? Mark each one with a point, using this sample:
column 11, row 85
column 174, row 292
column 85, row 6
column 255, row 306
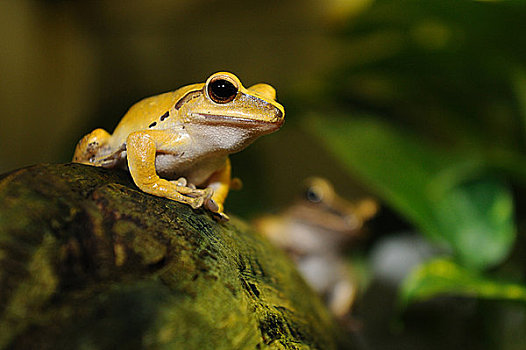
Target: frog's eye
column 221, row 90
column 313, row 195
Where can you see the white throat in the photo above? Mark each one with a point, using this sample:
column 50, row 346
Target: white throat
column 221, row 138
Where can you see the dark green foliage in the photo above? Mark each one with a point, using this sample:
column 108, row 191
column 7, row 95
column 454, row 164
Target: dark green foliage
column 428, row 109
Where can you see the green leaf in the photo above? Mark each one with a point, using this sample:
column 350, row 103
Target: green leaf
column 477, row 220
column 442, row 277
column 449, row 199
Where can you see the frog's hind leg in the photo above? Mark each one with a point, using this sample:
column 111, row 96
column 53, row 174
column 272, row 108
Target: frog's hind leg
column 90, row 145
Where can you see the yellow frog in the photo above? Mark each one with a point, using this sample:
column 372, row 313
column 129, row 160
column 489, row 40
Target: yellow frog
column 187, row 135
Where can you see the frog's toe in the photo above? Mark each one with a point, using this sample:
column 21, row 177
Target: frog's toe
column 221, row 217
column 205, row 194
column 208, row 192
column 180, row 181
column 196, row 202
column 212, row 205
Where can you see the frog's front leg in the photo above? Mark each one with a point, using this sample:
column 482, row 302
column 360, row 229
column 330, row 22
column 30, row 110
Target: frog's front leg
column 342, row 296
column 219, row 182
column 141, row 148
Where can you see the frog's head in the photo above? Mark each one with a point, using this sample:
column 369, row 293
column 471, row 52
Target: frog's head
column 224, row 107
column 322, row 207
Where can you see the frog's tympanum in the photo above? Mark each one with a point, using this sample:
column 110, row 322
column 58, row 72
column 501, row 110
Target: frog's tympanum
column 176, row 144
column 315, row 231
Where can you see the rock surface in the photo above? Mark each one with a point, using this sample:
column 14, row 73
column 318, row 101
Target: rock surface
column 88, row 261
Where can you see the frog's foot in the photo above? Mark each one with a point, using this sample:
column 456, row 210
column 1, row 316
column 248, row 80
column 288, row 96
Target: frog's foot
column 191, row 191
column 182, row 194
column 89, row 146
column 194, row 197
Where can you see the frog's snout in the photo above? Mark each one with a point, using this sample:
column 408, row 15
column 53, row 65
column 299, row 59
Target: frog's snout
column 280, row 115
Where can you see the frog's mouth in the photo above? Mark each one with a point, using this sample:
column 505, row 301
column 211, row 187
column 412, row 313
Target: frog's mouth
column 231, row 120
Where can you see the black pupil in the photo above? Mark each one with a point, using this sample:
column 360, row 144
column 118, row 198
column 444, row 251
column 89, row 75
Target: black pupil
column 222, row 89
column 312, row 196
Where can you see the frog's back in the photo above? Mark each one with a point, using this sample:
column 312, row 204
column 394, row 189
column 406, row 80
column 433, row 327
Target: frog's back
column 142, row 114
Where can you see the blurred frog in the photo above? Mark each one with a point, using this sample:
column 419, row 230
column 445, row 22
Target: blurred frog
column 315, row 231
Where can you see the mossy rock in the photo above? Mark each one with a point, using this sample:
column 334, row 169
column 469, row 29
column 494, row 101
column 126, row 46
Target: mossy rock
column 88, row 261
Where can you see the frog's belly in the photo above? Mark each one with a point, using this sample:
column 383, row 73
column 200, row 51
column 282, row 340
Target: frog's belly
column 170, row 166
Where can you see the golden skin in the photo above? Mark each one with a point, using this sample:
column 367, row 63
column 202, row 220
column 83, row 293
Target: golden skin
column 187, row 135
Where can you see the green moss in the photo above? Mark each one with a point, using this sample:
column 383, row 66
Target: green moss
column 88, row 261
